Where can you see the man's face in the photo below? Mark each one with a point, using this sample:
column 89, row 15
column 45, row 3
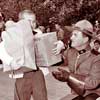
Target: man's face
column 32, row 19
column 77, row 39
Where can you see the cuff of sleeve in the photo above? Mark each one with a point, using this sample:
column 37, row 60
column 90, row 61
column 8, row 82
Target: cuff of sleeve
column 76, row 80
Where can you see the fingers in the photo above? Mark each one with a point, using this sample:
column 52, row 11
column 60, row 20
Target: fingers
column 56, row 43
column 61, row 70
column 59, row 46
column 64, row 72
column 55, row 51
column 56, row 74
column 59, row 76
column 53, row 73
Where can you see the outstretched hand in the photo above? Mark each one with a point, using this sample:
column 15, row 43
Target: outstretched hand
column 61, row 75
column 59, row 46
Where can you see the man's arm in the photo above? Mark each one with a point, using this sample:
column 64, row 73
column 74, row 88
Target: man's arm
column 75, row 81
column 78, row 82
column 93, row 80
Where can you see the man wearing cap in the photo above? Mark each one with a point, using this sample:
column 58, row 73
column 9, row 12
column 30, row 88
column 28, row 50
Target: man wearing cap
column 83, row 76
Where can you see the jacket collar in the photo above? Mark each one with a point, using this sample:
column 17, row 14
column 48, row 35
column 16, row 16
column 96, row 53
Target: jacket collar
column 88, row 48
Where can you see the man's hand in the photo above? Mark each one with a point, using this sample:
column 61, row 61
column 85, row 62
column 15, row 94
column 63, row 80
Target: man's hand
column 59, row 46
column 61, row 75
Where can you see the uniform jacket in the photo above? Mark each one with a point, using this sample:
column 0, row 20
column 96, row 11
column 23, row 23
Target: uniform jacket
column 86, row 64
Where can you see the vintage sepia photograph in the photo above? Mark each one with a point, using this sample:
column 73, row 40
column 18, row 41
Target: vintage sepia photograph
column 49, row 49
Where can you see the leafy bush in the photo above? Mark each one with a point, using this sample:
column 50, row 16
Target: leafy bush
column 63, row 11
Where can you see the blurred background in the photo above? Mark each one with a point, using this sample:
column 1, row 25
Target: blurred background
column 66, row 12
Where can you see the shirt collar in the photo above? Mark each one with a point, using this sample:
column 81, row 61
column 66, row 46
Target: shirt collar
column 88, row 48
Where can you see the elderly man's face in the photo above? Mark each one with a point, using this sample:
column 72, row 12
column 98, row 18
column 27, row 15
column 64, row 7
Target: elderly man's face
column 77, row 39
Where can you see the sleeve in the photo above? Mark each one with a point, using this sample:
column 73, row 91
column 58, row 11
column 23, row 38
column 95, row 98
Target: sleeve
column 79, row 83
column 93, row 80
